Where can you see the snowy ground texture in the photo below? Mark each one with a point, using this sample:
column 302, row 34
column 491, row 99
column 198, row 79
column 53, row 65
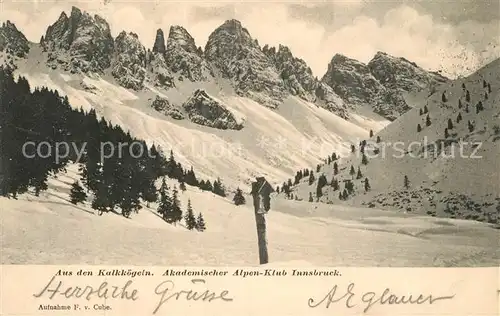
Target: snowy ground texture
column 50, row 230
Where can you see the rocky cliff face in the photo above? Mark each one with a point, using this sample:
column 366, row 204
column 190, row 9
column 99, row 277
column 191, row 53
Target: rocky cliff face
column 12, row 41
column 184, row 58
column 164, row 106
column 79, row 42
column 299, row 80
column 205, row 110
column 237, row 56
column 381, row 84
column 161, row 75
column 128, row 66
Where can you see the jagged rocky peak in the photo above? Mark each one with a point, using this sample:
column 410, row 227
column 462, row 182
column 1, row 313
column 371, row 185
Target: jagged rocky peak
column 402, row 73
column 300, row 81
column 129, row 62
column 352, row 80
column 12, row 41
column 80, row 42
column 238, row 57
column 206, row 110
column 184, row 58
column 159, row 45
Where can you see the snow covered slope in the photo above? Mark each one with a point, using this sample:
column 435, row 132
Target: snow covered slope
column 451, row 173
column 339, row 236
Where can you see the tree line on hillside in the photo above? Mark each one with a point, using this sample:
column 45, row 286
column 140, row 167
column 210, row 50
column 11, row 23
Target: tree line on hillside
column 43, row 116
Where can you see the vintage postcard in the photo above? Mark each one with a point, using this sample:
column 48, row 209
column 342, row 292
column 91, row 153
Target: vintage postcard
column 249, row 157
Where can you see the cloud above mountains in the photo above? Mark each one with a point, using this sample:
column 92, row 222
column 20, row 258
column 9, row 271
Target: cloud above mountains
column 454, row 37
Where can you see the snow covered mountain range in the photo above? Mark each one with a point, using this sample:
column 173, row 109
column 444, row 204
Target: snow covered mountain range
column 236, row 110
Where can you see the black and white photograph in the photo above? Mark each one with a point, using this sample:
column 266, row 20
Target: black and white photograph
column 354, row 133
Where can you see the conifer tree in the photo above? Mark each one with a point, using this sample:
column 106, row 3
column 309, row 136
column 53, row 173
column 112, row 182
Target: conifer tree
column 334, row 184
column 311, row 197
column 484, row 84
column 378, row 139
column 182, row 185
column 470, row 126
column 341, row 196
column 353, row 148
column 463, row 86
column 446, row 134
column 367, row 185
column 238, row 198
column 371, row 133
column 428, row 121
column 450, row 124
column 406, row 182
column 311, row 178
column 335, row 168
column 421, row 111
column 345, row 195
column 443, row 97
column 486, row 95
column 200, row 223
column 352, row 172
column 77, row 193
column 334, row 156
column 278, row 189
column 176, row 212
column 364, row 159
column 318, row 167
column 459, row 117
column 459, row 103
column 489, row 88
column 467, row 96
column 189, row 218
column 426, row 110
column 359, row 175
column 165, row 205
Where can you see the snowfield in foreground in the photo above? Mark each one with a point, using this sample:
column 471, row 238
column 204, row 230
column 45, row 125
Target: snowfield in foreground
column 50, row 230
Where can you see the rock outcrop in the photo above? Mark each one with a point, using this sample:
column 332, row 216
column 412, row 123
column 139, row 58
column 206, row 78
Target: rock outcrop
column 164, row 106
column 161, row 76
column 300, row 81
column 79, row 42
column 184, row 58
column 238, row 57
column 205, row 110
column 12, row 41
column 128, row 66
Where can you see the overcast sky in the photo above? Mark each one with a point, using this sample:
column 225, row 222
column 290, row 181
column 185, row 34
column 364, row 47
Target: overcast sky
column 454, row 36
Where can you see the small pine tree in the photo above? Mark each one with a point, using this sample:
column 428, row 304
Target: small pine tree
column 353, row 148
column 278, row 189
column 459, row 117
column 200, row 223
column 443, row 97
column 189, row 218
column 311, row 178
column 428, row 121
column 467, row 96
column 406, row 183
column 446, row 134
column 450, row 124
column 459, row 103
column 345, row 195
column 335, row 168
column 367, row 185
column 238, row 198
column 419, row 128
column 489, row 88
column 359, row 175
column 467, row 108
column 486, row 95
column 463, row 86
column 421, row 111
column 182, row 186
column 426, row 110
column 364, row 159
column 484, row 84
column 352, row 172
column 378, row 139
column 470, row 126
column 371, row 133
column 77, row 193
column 311, row 197
column 335, row 184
